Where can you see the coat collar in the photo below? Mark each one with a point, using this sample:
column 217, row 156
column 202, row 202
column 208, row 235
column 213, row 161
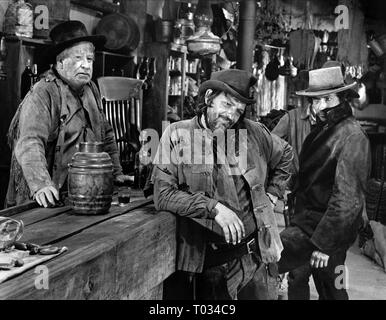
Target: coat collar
column 338, row 113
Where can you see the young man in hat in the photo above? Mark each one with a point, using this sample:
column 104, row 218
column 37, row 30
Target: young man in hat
column 60, row 111
column 219, row 173
column 294, row 127
column 334, row 165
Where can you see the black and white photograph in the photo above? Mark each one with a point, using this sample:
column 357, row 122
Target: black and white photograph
column 188, row 155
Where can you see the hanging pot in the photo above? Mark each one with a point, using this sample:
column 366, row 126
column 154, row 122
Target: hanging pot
column 121, row 31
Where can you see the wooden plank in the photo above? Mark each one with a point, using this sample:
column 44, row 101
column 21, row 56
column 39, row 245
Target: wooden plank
column 30, row 217
column 98, row 5
column 127, row 257
column 67, row 224
column 12, row 211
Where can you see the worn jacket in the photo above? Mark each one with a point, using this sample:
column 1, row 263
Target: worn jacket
column 45, row 132
column 334, row 169
column 294, row 127
column 186, row 188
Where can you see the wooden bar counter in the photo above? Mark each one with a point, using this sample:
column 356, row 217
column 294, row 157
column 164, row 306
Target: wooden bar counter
column 125, row 254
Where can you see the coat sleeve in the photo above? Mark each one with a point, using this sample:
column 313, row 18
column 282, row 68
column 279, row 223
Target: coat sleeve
column 339, row 226
column 168, row 194
column 281, row 129
column 35, row 125
column 281, row 167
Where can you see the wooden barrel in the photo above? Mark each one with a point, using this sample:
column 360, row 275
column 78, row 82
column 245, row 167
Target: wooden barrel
column 90, row 180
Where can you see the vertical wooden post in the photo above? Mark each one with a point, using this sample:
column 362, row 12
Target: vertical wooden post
column 246, row 35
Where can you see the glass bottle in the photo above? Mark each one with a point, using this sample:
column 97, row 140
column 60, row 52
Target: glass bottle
column 152, row 68
column 24, row 20
column 143, row 69
column 35, row 77
column 26, row 79
column 3, row 56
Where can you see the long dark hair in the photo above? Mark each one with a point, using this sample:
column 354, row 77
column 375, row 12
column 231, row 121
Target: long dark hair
column 201, row 105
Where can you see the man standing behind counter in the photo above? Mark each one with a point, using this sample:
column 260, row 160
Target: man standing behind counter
column 61, row 110
column 227, row 232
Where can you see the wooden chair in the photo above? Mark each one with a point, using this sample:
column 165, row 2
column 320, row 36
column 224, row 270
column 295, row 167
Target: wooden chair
column 122, row 100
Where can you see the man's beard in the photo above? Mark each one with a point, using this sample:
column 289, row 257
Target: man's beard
column 212, row 124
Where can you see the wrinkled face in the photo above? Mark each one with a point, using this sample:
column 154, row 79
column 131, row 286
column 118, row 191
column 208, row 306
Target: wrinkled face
column 223, row 111
column 75, row 64
column 321, row 105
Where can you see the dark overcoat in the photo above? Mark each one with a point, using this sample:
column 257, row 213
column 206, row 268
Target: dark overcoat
column 335, row 164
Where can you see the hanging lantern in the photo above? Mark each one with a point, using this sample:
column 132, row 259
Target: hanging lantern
column 203, row 42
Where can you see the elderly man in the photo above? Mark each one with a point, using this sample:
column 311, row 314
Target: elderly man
column 221, row 184
column 330, row 193
column 60, row 111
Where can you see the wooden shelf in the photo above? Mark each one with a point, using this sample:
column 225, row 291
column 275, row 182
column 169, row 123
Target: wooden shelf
column 178, row 48
column 32, row 41
column 175, row 73
column 192, row 74
column 120, row 55
column 97, row 5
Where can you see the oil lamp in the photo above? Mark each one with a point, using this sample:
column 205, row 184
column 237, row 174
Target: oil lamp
column 203, row 42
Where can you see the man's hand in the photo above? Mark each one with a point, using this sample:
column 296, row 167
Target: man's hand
column 46, row 196
column 122, row 178
column 230, row 223
column 319, row 259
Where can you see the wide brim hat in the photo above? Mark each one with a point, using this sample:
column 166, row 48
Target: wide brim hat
column 327, row 80
column 69, row 33
column 233, row 81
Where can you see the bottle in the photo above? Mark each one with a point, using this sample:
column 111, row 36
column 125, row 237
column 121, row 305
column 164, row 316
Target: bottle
column 151, row 73
column 143, row 69
column 3, row 55
column 26, row 80
column 24, row 20
column 35, row 77
column 152, row 68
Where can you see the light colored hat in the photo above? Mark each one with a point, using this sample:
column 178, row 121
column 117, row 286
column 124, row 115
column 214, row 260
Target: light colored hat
column 325, row 81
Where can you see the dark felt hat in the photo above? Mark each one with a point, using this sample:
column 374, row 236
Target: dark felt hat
column 67, row 34
column 234, row 81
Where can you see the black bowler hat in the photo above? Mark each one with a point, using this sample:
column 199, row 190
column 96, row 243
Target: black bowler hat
column 234, row 81
column 67, row 34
